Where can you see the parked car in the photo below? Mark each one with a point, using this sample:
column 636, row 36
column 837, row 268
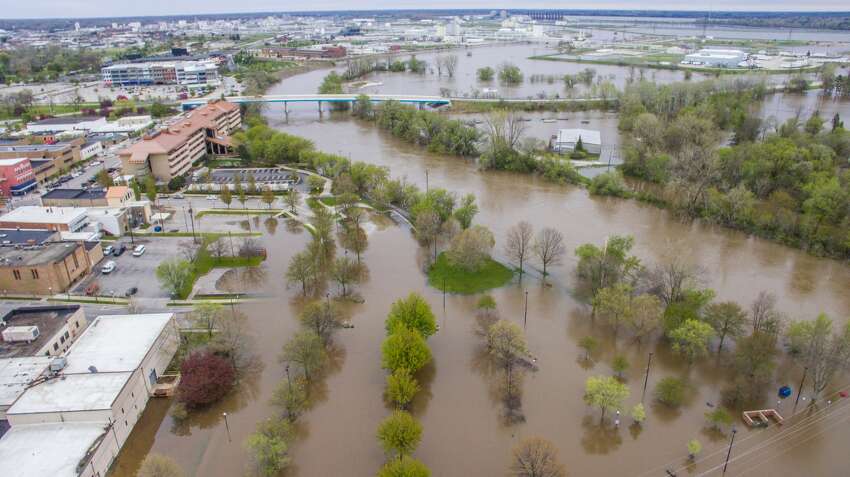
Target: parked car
column 119, row 249
column 108, row 267
column 139, row 251
column 108, row 250
column 212, row 197
column 177, row 196
column 131, row 291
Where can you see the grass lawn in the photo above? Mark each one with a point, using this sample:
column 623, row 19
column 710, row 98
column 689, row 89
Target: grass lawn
column 492, row 275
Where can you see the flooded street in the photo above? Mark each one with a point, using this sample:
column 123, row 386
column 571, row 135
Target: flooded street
column 464, row 434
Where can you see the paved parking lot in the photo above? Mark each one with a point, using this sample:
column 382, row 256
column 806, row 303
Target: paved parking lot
column 272, row 175
column 133, row 271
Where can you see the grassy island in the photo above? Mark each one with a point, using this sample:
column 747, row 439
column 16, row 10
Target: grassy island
column 445, row 276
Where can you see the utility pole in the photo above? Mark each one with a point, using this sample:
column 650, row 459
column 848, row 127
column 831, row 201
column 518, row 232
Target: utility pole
column 525, row 313
column 426, row 181
column 192, row 218
column 646, row 377
column 729, row 452
column 800, row 390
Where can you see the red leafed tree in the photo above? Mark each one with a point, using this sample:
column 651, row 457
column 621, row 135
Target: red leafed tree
column 205, row 378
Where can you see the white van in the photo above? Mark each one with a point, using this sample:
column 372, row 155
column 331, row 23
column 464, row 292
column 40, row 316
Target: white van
column 108, row 267
column 139, row 251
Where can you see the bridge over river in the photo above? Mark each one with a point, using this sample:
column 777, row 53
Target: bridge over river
column 432, row 101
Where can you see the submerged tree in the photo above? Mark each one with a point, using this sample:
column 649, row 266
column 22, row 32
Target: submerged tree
column 518, row 243
column 605, row 392
column 399, row 434
column 536, row 457
column 821, row 350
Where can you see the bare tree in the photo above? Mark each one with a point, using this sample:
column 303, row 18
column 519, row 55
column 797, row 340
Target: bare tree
column 548, row 247
column 188, row 251
column 439, row 62
column 670, row 280
column 518, row 243
column 764, row 315
column 450, row 63
column 217, row 247
column 536, row 457
column 504, row 130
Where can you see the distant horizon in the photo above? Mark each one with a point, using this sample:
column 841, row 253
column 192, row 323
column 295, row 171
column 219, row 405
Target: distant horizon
column 826, row 8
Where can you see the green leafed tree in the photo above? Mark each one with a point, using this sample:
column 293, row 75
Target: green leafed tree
column 405, row 467
column 174, row 275
column 306, row 350
column 405, row 348
column 399, row 434
column 605, row 392
column 727, row 318
column 413, row 313
column 401, row 388
column 691, row 339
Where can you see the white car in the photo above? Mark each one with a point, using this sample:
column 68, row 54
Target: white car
column 212, row 197
column 139, row 251
column 108, row 267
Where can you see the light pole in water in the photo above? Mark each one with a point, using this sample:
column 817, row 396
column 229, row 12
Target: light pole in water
column 226, row 426
column 525, row 313
column 646, row 378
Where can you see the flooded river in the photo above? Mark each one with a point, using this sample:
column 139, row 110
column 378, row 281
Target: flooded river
column 464, row 434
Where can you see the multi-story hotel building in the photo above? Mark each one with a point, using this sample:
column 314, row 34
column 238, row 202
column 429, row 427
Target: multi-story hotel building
column 170, row 152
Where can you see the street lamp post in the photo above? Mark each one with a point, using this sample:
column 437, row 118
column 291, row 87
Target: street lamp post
column 192, row 218
column 226, row 426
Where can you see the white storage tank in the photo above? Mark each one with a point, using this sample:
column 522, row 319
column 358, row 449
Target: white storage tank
column 14, row 334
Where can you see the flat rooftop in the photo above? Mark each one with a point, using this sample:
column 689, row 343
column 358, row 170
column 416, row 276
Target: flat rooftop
column 79, row 194
column 49, row 320
column 35, row 255
column 71, row 393
column 44, row 215
column 66, row 120
column 114, row 343
column 12, row 162
column 61, row 146
column 25, row 236
column 17, row 373
column 54, row 449
column 588, row 136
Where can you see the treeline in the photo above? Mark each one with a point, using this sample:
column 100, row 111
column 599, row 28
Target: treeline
column 644, row 301
column 404, row 353
column 29, row 64
column 424, row 128
column 788, row 182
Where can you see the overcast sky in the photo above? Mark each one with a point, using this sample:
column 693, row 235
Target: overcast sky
column 106, row 8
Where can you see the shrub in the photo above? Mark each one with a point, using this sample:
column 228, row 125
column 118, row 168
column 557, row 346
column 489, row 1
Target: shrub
column 609, row 183
column 205, row 378
column 670, row 391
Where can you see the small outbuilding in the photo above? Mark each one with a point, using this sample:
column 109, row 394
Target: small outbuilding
column 566, row 140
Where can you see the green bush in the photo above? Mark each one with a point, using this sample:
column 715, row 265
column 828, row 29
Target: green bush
column 670, row 391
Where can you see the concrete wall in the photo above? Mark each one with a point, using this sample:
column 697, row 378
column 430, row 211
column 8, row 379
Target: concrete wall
column 52, row 277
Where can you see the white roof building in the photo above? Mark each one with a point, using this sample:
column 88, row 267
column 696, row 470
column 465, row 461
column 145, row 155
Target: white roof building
column 567, row 139
column 55, row 449
column 116, row 343
column 16, row 374
column 58, row 425
column 71, row 219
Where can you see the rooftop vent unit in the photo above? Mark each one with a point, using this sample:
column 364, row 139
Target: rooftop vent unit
column 58, row 364
column 18, row 334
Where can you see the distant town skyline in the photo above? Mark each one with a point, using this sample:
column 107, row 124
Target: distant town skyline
column 113, row 8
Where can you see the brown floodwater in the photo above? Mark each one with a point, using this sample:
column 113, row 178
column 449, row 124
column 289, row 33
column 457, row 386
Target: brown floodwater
column 464, row 430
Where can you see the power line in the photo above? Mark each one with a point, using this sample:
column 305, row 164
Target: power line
column 747, row 438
